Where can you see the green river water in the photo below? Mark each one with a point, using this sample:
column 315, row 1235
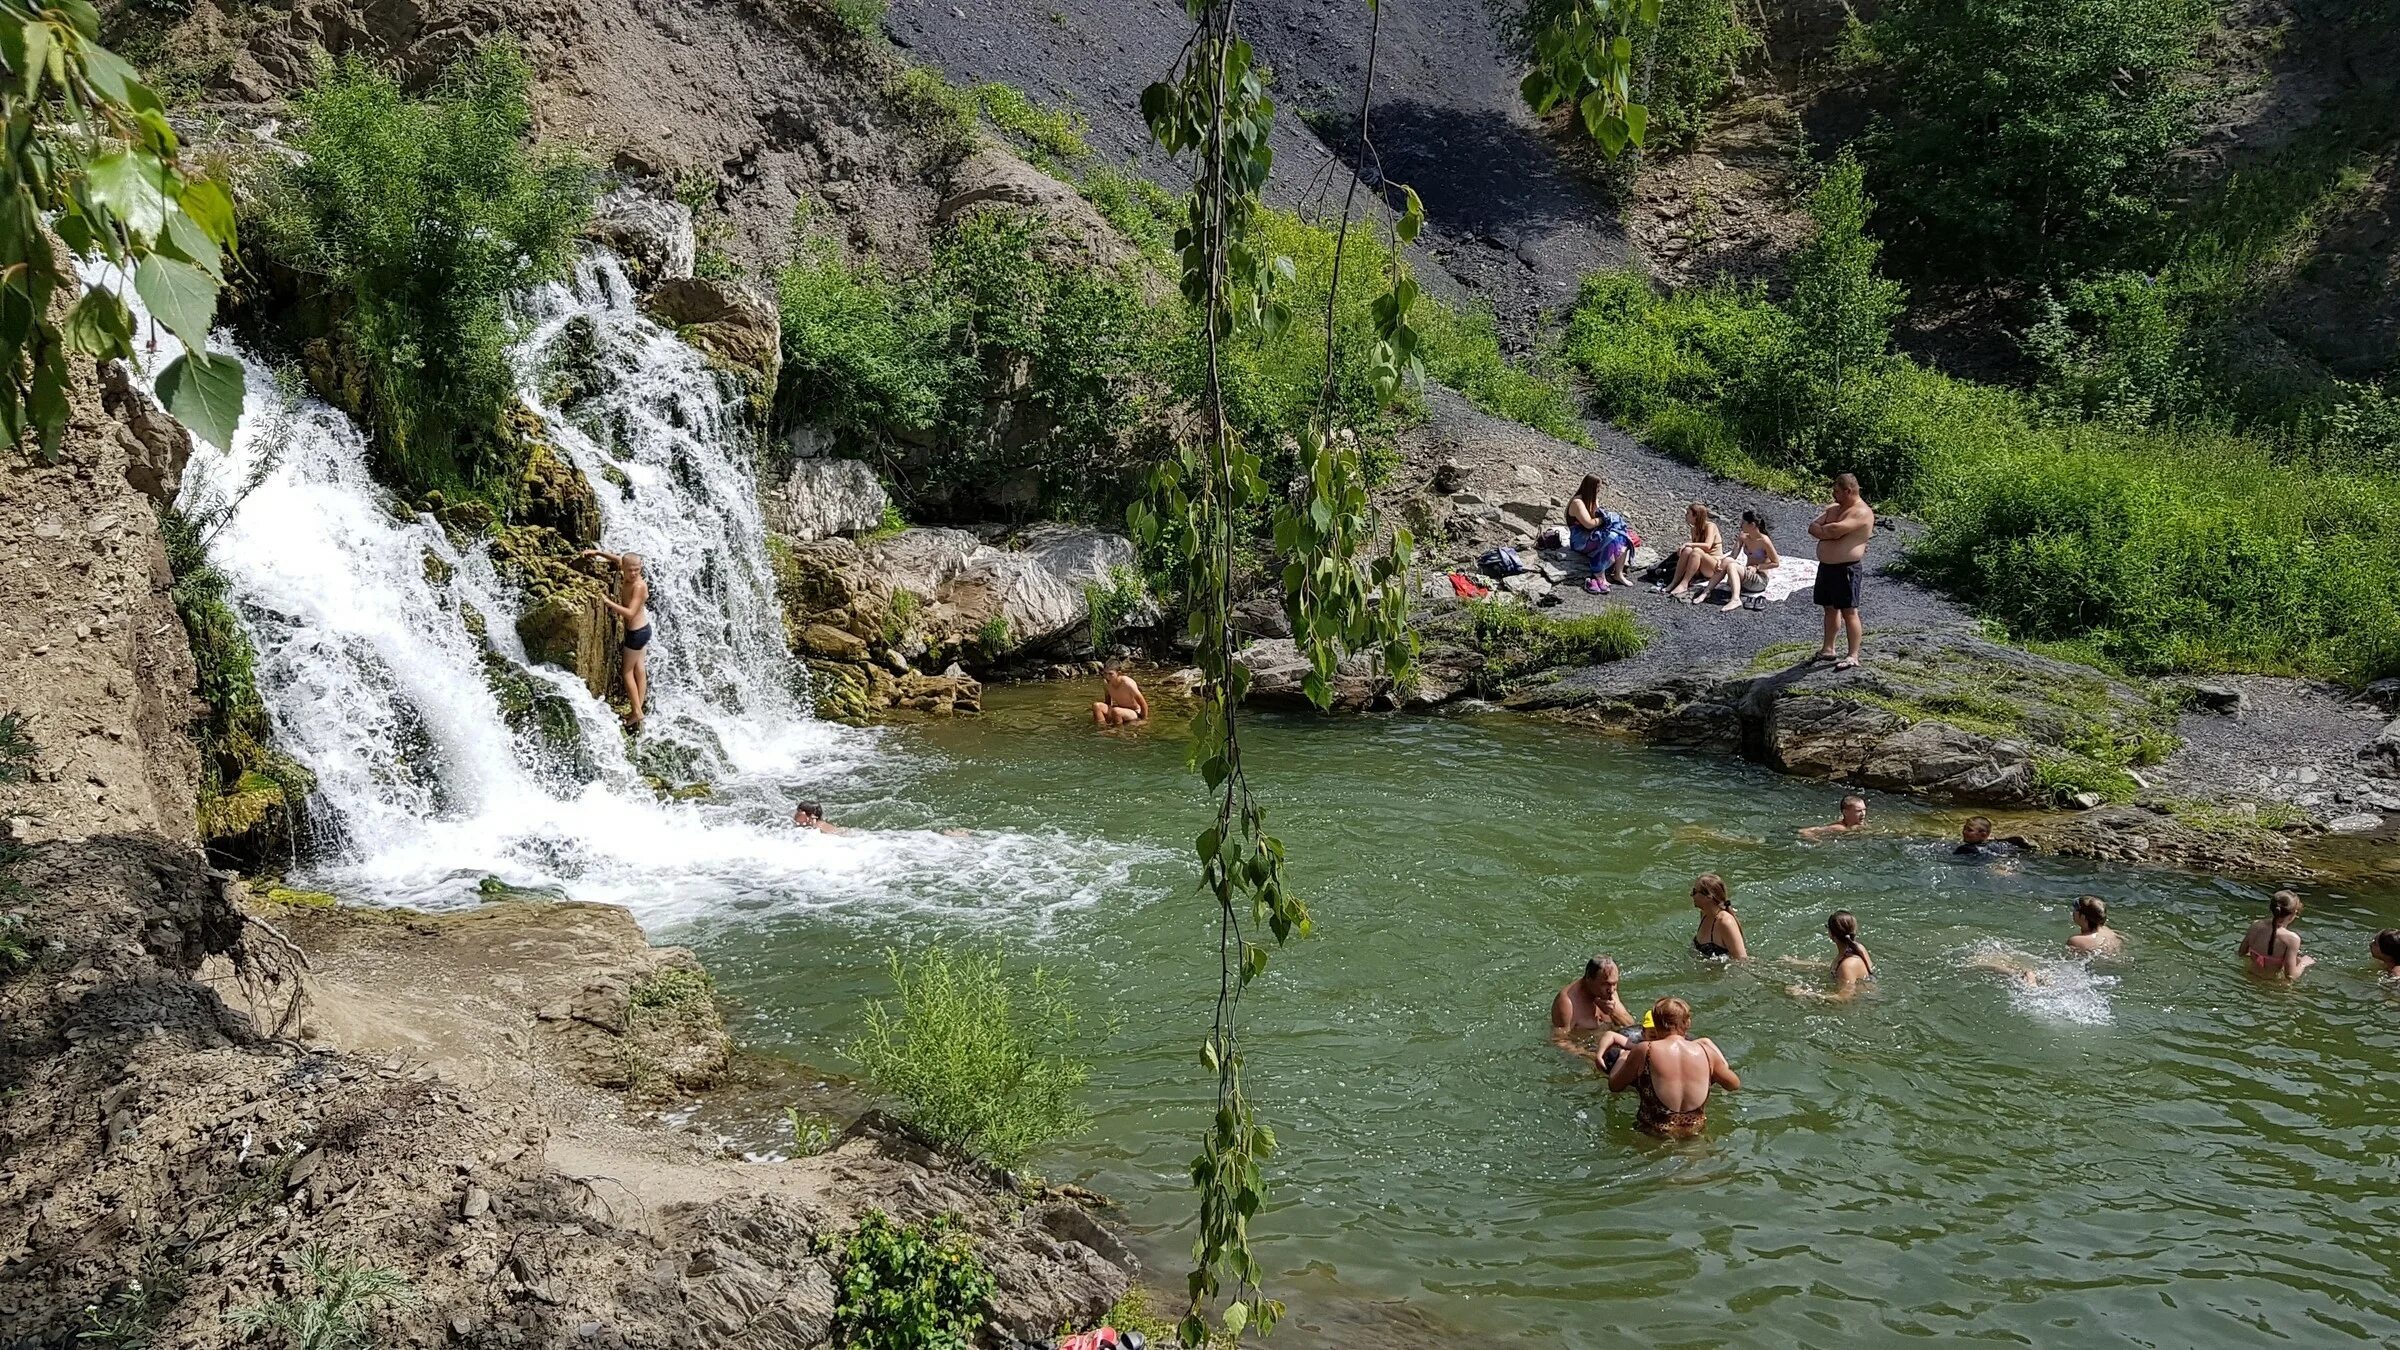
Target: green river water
column 2160, row 1152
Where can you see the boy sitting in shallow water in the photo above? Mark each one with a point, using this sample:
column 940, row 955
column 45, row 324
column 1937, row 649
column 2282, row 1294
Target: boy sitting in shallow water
column 1854, row 819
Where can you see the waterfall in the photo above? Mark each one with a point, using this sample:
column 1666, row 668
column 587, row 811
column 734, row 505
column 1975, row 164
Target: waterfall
column 366, row 618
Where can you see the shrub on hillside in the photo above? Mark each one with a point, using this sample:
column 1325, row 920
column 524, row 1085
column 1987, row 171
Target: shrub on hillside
column 979, row 1060
column 413, row 221
column 2174, row 549
column 2027, row 138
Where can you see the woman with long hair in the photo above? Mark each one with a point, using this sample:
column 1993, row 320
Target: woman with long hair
column 1706, row 543
column 2271, row 947
column 1851, row 964
column 2093, row 936
column 1600, row 535
column 1720, row 932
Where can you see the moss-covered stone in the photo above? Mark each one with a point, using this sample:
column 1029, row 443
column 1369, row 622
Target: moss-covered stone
column 552, row 492
column 248, row 826
column 537, row 710
column 287, row 898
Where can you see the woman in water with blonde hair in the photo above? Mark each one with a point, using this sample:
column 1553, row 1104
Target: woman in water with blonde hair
column 1720, row 933
column 2271, row 947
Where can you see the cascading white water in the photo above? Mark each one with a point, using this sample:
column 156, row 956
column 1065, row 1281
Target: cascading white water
column 374, row 679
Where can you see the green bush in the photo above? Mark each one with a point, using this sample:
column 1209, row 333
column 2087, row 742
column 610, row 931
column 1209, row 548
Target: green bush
column 902, row 365
column 1054, row 136
column 2027, row 138
column 337, row 1315
column 861, row 19
column 2114, row 350
column 1686, row 61
column 980, row 1061
column 905, row 1287
column 1842, row 303
column 412, row 221
column 2157, row 549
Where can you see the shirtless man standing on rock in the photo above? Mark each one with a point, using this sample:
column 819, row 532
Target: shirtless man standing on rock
column 1842, row 534
column 1121, row 703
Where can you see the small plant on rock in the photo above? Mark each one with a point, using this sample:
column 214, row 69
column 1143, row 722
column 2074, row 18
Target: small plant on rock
column 336, row 1316
column 978, row 1060
column 812, row 1134
column 906, row 1287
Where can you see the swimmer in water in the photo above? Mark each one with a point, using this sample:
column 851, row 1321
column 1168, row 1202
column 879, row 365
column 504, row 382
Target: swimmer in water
column 811, row 816
column 2093, row 936
column 1589, row 1004
column 1673, row 1071
column 1854, row 819
column 1121, row 701
column 2271, row 947
column 1851, row 964
column 2387, row 952
column 1720, row 933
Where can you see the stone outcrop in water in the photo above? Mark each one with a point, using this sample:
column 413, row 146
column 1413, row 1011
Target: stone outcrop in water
column 873, row 617
column 652, row 234
column 734, row 327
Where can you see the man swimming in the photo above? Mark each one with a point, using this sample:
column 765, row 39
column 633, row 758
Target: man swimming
column 1589, row 1004
column 1121, row 702
column 811, row 816
column 1673, row 1072
column 1854, row 819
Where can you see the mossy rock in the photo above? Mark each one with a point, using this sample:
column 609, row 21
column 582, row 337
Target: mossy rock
column 288, row 898
column 552, row 492
column 248, row 827
column 535, row 709
column 494, row 891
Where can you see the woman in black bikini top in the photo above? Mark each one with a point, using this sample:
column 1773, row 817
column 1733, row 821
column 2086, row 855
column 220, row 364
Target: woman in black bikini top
column 1720, row 932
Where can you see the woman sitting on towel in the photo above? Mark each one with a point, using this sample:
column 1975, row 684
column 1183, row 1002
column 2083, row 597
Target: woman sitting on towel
column 1600, row 535
column 1746, row 567
column 1708, row 543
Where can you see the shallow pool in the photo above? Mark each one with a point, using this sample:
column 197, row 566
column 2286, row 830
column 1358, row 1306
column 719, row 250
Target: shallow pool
column 2157, row 1152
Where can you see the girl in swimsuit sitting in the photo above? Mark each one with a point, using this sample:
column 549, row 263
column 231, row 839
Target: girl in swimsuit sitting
column 1746, row 567
column 1707, row 542
column 2271, row 946
column 1851, row 964
column 1720, row 933
column 633, row 606
column 1673, row 1071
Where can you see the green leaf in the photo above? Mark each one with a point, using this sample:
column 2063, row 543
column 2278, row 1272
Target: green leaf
column 206, row 202
column 130, row 185
column 1237, row 1316
column 204, row 392
column 1612, row 135
column 99, row 325
column 1637, row 121
column 179, row 295
column 1208, row 843
column 85, row 18
column 27, row 48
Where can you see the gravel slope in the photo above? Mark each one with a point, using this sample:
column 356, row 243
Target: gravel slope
column 1508, row 220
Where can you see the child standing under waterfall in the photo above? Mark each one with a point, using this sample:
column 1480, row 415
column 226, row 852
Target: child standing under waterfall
column 633, row 606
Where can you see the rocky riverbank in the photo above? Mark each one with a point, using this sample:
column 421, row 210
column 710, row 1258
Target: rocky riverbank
column 211, row 1092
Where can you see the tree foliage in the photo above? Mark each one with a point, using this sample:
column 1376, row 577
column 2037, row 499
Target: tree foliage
column 1583, row 60
column 1214, row 107
column 906, row 1287
column 92, row 161
column 1844, row 305
column 414, row 221
column 2027, row 138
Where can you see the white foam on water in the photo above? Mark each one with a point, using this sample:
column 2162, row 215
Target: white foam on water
column 357, row 606
column 2049, row 988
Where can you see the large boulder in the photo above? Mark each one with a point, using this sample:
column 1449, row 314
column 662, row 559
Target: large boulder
column 1033, row 598
column 728, row 323
column 652, row 234
column 822, row 497
column 554, row 493
column 156, row 446
column 2382, row 755
column 992, row 179
column 1279, row 674
column 566, row 622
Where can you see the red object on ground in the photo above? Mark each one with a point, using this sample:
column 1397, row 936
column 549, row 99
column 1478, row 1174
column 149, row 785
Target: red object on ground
column 1468, row 588
column 1104, row 1339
